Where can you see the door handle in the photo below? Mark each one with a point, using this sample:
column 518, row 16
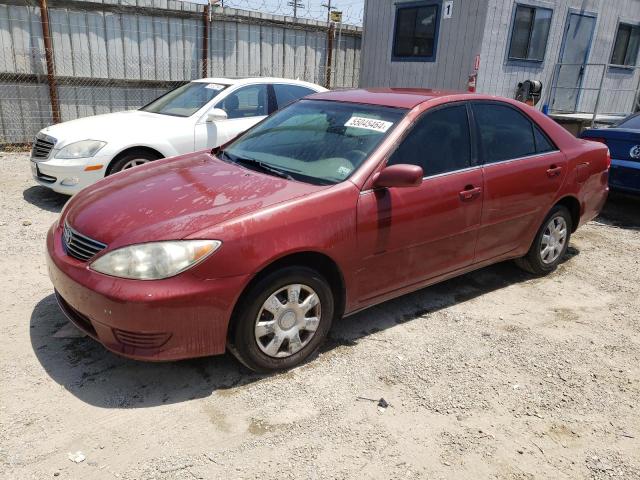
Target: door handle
column 469, row 193
column 553, row 171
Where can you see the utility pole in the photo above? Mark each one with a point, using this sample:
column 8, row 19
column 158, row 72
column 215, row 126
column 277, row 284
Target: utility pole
column 295, row 4
column 329, row 8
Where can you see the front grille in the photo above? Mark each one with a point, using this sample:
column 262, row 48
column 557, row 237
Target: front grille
column 79, row 246
column 42, row 146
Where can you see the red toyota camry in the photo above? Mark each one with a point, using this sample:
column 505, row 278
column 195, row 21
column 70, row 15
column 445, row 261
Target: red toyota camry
column 340, row 201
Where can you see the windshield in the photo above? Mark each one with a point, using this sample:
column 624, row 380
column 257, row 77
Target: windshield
column 316, row 141
column 186, row 100
column 632, row 121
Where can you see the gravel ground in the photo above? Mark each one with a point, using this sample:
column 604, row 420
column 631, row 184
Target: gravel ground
column 492, row 375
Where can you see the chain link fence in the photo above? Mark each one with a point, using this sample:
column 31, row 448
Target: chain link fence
column 112, row 57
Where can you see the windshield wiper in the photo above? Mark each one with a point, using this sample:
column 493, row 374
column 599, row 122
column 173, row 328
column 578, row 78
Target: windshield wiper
column 257, row 163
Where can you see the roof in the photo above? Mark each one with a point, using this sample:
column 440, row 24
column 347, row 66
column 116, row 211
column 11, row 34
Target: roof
column 246, row 80
column 388, row 97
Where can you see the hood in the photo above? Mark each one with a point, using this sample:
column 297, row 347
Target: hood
column 115, row 126
column 174, row 198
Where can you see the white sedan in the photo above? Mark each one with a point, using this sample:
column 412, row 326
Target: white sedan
column 200, row 114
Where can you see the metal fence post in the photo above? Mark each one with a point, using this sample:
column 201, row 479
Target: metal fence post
column 595, row 109
column 205, row 41
column 330, row 34
column 51, row 71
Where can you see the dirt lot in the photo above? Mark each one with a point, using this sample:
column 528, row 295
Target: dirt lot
column 492, row 375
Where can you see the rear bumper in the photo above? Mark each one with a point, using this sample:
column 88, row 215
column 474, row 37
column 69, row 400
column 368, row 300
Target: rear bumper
column 625, row 176
column 170, row 319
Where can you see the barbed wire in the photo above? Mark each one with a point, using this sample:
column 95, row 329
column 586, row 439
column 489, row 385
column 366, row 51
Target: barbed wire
column 352, row 10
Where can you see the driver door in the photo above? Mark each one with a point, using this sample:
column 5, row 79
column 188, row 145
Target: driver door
column 409, row 235
column 244, row 106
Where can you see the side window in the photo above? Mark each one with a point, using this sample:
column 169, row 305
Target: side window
column 286, row 94
column 249, row 101
column 504, row 132
column 543, row 144
column 439, row 142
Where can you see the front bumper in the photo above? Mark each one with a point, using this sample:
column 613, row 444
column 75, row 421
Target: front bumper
column 625, row 176
column 68, row 176
column 175, row 318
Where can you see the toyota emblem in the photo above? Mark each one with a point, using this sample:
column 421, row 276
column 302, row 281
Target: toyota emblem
column 635, row 152
column 67, row 235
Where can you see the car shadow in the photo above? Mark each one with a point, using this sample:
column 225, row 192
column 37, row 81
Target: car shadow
column 101, row 378
column 621, row 210
column 45, row 198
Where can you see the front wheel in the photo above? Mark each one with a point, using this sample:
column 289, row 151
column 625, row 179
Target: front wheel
column 131, row 159
column 550, row 244
column 283, row 319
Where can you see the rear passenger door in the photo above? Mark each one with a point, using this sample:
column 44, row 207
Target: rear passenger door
column 408, row 235
column 523, row 171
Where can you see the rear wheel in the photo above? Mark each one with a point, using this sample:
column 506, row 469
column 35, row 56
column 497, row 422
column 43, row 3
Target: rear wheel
column 550, row 244
column 131, row 159
column 283, row 319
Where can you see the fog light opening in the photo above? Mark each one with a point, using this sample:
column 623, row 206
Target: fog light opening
column 70, row 181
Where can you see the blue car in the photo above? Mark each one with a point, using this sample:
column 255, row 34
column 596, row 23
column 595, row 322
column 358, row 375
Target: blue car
column 623, row 140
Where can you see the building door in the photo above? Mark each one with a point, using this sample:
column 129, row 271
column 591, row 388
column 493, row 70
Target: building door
column 573, row 57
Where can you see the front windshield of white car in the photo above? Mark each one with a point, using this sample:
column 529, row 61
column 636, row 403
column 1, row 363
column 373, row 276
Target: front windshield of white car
column 315, row 141
column 186, row 100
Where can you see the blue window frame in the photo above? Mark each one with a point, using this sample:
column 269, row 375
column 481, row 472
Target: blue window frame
column 626, row 45
column 415, row 35
column 529, row 33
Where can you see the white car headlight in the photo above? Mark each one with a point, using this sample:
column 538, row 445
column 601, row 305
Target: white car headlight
column 81, row 149
column 156, row 260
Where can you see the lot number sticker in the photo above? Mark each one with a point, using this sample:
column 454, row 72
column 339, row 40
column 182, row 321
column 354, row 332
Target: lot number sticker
column 368, row 124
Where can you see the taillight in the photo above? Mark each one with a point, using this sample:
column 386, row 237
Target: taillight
column 608, row 159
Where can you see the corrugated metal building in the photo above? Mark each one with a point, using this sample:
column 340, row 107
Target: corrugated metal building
column 574, row 47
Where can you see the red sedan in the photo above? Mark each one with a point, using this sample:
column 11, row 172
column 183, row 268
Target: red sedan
column 338, row 202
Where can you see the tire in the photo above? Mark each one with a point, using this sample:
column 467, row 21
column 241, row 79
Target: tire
column 537, row 263
column 257, row 330
column 124, row 162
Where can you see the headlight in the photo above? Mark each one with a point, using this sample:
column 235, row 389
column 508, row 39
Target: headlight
column 153, row 261
column 81, row 149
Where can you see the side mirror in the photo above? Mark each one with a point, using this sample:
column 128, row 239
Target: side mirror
column 402, row 175
column 216, row 114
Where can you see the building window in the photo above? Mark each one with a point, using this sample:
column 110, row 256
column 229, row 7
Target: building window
column 625, row 48
column 530, row 33
column 416, row 32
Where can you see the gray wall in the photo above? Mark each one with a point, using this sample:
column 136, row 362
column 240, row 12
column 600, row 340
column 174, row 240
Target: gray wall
column 499, row 77
column 117, row 56
column 484, row 27
column 459, row 42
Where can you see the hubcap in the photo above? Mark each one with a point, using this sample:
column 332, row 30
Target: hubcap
column 287, row 321
column 554, row 239
column 134, row 163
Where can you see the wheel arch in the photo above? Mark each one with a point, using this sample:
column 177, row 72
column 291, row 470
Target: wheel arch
column 126, row 151
column 573, row 205
column 320, row 262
